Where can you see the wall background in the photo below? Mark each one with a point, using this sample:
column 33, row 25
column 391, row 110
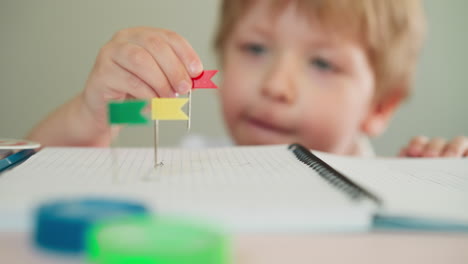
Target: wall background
column 48, row 48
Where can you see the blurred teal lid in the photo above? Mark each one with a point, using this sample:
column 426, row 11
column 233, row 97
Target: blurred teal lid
column 160, row 240
column 61, row 225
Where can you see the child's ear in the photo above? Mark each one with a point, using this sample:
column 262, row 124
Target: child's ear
column 381, row 112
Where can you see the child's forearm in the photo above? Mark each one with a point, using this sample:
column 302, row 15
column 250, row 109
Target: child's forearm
column 72, row 124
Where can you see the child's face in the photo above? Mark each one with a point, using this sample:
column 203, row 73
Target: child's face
column 288, row 79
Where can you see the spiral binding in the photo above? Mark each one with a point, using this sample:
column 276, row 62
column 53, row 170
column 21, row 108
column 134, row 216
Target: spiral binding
column 332, row 176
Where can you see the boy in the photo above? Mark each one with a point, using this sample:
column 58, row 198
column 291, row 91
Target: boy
column 325, row 74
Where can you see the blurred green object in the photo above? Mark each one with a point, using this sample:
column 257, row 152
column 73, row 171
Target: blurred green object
column 127, row 112
column 156, row 240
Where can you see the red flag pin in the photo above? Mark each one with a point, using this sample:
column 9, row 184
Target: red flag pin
column 201, row 82
column 204, row 80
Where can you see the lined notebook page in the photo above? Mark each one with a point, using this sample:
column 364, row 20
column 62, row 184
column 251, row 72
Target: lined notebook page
column 421, row 188
column 248, row 188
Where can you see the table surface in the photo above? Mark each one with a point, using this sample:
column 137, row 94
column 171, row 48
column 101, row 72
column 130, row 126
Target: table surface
column 375, row 247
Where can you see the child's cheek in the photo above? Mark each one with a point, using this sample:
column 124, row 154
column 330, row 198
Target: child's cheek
column 236, row 84
column 231, row 96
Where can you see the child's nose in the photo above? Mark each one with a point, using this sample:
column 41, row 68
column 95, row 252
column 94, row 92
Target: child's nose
column 279, row 84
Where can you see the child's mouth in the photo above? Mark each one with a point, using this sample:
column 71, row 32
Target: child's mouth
column 263, row 125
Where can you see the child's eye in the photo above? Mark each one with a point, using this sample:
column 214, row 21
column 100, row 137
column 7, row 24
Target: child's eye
column 254, row 49
column 322, row 64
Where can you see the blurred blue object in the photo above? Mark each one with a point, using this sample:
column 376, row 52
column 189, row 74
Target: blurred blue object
column 15, row 159
column 62, row 225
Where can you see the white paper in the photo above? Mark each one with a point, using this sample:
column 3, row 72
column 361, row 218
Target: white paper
column 426, row 188
column 244, row 188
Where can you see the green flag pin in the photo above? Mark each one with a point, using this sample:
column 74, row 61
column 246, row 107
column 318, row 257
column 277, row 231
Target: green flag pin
column 127, row 112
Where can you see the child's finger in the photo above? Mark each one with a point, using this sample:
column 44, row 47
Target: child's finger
column 403, row 152
column 416, row 146
column 434, row 147
column 139, row 62
column 186, row 54
column 168, row 61
column 121, row 80
column 456, row 147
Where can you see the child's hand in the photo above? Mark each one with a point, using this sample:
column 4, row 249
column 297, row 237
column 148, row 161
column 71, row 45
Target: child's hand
column 422, row 146
column 140, row 63
column 135, row 63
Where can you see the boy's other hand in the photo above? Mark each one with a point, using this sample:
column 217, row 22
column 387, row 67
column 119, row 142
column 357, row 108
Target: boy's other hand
column 140, row 63
column 422, row 146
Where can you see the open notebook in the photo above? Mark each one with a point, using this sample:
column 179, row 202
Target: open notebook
column 261, row 188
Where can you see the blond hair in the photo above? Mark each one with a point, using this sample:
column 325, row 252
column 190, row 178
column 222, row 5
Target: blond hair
column 392, row 32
